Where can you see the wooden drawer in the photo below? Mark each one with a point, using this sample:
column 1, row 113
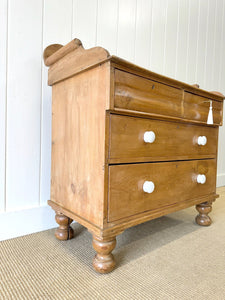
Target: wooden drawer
column 174, row 182
column 197, row 108
column 172, row 140
column 136, row 93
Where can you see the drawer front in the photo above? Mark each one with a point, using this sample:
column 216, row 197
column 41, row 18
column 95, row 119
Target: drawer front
column 139, row 94
column 172, row 140
column 197, row 108
column 173, row 182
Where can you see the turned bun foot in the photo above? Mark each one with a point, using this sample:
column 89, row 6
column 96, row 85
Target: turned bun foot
column 103, row 261
column 202, row 218
column 64, row 231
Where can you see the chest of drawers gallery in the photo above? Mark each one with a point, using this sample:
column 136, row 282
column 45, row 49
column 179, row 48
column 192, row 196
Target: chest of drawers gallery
column 128, row 145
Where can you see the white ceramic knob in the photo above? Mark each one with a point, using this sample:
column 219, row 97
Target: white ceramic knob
column 202, row 140
column 201, row 178
column 149, row 136
column 148, row 187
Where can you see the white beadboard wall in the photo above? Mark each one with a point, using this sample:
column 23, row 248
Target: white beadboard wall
column 183, row 39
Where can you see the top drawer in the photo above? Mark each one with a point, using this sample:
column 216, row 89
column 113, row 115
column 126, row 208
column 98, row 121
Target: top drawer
column 197, row 108
column 136, row 93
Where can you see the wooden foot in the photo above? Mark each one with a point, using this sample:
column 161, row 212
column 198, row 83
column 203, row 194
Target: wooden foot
column 64, row 231
column 104, row 261
column 202, row 218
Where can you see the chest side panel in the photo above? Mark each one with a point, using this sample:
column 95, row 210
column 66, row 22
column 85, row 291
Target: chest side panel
column 78, row 143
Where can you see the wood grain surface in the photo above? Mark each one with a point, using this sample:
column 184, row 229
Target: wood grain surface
column 174, row 183
column 140, row 94
column 74, row 62
column 173, row 140
column 55, row 52
column 78, row 143
column 197, row 108
column 129, row 67
column 102, row 107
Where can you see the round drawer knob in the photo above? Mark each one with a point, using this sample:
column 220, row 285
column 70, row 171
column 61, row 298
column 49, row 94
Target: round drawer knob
column 148, row 187
column 201, row 178
column 149, row 136
column 202, row 140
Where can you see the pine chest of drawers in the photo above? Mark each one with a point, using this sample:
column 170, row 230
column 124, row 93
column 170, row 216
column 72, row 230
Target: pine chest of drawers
column 128, row 145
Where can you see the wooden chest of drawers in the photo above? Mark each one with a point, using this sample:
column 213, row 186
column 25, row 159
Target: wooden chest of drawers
column 128, row 145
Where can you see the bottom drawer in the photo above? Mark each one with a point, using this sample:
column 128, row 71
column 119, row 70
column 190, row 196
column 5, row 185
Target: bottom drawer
column 135, row 188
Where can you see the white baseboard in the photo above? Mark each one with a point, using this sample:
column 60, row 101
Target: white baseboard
column 220, row 180
column 18, row 223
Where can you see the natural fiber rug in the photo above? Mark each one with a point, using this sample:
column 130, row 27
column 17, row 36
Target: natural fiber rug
column 167, row 258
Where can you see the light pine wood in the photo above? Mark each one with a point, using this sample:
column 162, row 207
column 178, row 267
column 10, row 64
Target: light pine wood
column 81, row 59
column 134, row 93
column 197, row 108
column 141, row 114
column 139, row 94
column 104, row 261
column 174, row 182
column 64, row 231
column 129, row 67
column 173, row 140
column 48, row 53
column 117, row 227
column 196, row 85
column 72, row 59
column 204, row 209
column 78, row 143
column 101, row 108
column 217, row 93
column 94, row 229
column 55, row 52
column 122, row 224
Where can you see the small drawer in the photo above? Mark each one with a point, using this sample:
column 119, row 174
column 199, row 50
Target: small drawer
column 135, row 139
column 136, row 93
column 197, row 108
column 137, row 188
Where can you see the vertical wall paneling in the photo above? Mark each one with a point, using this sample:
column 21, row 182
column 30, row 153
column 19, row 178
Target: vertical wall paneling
column 85, row 21
column 171, row 38
column 201, row 43
column 218, row 36
column 219, row 54
column 158, row 35
column 107, row 24
column 126, row 29
column 193, row 15
column 57, row 20
column 221, row 50
column 3, row 72
column 23, row 103
column 143, row 32
column 181, row 63
column 210, row 40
